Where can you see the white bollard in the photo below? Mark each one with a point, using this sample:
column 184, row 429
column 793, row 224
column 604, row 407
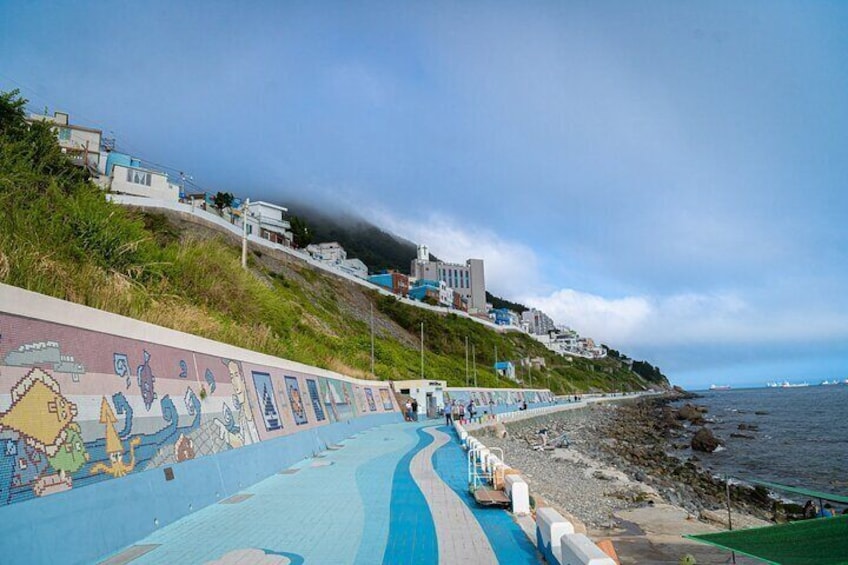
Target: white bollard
column 577, row 549
column 551, row 527
column 519, row 494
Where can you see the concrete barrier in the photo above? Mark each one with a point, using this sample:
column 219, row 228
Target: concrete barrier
column 577, row 549
column 551, row 527
column 519, row 494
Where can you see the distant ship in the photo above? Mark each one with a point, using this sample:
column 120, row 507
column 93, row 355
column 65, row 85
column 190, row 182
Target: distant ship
column 827, row 382
column 719, row 387
column 786, row 384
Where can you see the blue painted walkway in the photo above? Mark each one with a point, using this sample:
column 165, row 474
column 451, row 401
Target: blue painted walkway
column 363, row 503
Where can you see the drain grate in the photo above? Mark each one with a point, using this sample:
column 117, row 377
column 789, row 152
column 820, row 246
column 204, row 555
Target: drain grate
column 132, row 552
column 235, row 499
column 288, row 471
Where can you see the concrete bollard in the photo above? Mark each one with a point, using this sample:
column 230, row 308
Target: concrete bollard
column 519, row 493
column 550, row 529
column 577, row 549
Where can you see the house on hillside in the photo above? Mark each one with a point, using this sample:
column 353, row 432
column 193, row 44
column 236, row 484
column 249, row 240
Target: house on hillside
column 436, row 291
column 81, row 144
column 505, row 369
column 396, row 282
column 334, row 254
column 124, row 174
column 268, row 221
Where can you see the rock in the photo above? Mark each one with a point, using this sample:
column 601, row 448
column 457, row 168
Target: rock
column 761, row 413
column 500, row 430
column 749, row 427
column 704, row 440
column 741, row 436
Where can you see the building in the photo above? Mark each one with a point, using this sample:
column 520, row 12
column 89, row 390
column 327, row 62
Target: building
column 81, row 144
column 396, row 282
column 268, row 221
column 467, row 280
column 334, row 254
column 429, row 395
column 504, row 317
column 437, row 291
column 538, row 322
column 505, row 369
column 125, row 175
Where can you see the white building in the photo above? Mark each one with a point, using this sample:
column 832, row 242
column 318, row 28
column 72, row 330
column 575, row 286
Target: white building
column 329, row 252
column 137, row 181
column 268, row 221
column 430, row 395
column 334, row 254
column 468, row 280
column 81, row 144
column 538, row 322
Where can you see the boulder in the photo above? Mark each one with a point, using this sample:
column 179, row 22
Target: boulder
column 694, row 414
column 704, row 440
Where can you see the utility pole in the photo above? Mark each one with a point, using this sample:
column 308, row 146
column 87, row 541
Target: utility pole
column 466, row 360
column 422, row 350
column 474, row 363
column 372, row 340
column 245, row 212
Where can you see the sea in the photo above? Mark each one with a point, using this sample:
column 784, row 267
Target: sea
column 801, row 437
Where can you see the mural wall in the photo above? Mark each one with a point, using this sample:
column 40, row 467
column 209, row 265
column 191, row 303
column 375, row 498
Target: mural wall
column 497, row 396
column 78, row 407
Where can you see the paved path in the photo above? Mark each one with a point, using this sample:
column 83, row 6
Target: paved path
column 393, row 494
column 460, row 537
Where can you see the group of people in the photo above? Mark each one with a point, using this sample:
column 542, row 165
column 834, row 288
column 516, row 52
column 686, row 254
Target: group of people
column 410, row 410
column 455, row 411
column 827, row 511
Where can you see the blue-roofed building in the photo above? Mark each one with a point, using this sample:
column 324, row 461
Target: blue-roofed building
column 505, row 369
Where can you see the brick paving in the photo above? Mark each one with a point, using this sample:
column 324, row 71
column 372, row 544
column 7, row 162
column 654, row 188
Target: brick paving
column 376, row 500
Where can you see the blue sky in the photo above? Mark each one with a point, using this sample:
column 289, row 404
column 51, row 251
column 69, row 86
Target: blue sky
column 666, row 177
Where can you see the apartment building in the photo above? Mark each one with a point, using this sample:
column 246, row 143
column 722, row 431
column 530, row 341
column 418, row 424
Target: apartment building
column 468, row 280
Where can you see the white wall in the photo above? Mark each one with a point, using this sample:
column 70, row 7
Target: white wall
column 159, row 187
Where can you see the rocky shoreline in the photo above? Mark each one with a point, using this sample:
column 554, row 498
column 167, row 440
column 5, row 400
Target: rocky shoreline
column 621, row 458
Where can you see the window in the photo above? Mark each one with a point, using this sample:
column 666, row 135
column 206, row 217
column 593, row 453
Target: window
column 64, row 134
column 138, row 177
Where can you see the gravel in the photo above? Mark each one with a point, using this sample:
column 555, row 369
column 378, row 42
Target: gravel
column 571, row 478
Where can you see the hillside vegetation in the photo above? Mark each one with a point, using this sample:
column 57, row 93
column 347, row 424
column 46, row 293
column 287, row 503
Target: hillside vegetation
column 60, row 236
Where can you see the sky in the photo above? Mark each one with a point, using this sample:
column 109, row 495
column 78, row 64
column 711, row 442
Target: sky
column 668, row 178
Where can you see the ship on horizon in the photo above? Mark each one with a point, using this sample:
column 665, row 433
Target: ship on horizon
column 720, row 387
column 786, row 384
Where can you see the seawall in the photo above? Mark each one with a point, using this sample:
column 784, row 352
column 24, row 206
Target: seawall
column 111, row 428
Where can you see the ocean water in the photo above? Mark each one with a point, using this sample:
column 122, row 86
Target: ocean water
column 802, row 436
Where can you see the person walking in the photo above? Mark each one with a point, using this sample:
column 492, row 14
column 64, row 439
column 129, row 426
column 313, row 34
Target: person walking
column 448, row 416
column 414, row 410
column 407, row 411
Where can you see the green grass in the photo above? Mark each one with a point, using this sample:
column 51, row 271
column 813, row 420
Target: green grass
column 60, row 236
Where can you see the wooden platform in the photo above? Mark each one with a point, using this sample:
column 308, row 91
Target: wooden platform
column 491, row 497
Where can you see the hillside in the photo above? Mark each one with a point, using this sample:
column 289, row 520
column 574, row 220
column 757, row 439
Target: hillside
column 59, row 236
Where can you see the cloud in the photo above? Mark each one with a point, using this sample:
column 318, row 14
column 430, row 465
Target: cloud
column 692, row 319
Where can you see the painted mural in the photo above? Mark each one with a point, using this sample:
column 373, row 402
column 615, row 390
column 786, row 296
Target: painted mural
column 498, row 397
column 385, row 396
column 78, row 407
column 295, row 401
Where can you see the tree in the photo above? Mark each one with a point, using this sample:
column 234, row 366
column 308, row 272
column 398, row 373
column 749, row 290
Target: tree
column 301, row 235
column 223, row 200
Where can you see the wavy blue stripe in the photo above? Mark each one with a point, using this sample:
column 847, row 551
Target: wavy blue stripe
column 412, row 533
column 507, row 539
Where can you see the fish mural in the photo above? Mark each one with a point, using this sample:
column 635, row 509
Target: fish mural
column 146, row 381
